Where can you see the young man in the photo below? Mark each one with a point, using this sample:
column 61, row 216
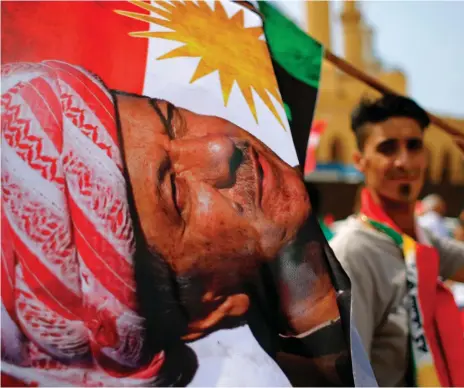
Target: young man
column 393, row 264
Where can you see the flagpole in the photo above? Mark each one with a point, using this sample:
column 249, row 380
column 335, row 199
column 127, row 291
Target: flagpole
column 377, row 85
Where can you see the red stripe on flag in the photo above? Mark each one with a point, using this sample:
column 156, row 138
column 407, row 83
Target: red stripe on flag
column 112, row 270
column 85, row 33
column 427, row 269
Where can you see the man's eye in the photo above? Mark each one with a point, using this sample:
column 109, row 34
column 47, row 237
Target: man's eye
column 415, row 145
column 388, row 147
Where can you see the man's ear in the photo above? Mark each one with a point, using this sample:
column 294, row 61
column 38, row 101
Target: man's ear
column 359, row 161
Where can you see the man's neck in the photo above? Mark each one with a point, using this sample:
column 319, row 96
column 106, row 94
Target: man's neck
column 401, row 213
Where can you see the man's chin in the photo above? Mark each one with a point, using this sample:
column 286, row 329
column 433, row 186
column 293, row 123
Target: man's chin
column 401, row 195
column 279, row 232
column 272, row 239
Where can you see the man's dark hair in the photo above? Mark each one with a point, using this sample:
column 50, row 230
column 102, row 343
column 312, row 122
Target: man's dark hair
column 379, row 110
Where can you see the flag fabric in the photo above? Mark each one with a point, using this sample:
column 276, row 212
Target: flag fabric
column 297, row 59
column 210, row 58
column 130, row 55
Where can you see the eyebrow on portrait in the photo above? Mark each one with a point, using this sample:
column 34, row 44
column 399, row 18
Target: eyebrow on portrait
column 165, row 120
column 128, row 94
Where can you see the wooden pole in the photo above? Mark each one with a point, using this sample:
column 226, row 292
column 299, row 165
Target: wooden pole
column 375, row 84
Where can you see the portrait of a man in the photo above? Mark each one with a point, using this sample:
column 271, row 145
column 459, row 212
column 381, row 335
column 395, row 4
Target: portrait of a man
column 227, row 203
column 209, row 203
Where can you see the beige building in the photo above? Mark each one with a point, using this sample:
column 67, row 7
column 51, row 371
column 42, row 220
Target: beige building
column 339, row 93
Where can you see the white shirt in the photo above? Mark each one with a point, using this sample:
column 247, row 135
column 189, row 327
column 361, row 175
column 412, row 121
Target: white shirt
column 433, row 222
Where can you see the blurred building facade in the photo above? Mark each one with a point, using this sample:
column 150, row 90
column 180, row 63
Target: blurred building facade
column 339, row 93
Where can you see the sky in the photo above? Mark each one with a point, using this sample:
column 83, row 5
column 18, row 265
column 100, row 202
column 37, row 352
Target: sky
column 424, row 39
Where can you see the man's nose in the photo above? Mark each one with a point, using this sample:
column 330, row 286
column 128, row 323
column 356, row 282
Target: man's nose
column 402, row 158
column 212, row 159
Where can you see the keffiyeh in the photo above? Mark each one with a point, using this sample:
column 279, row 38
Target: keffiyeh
column 69, row 311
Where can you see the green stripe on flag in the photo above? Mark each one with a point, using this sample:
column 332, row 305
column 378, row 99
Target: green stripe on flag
column 293, row 49
column 393, row 234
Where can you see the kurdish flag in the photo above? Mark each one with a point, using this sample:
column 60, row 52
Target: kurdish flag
column 127, row 43
column 206, row 56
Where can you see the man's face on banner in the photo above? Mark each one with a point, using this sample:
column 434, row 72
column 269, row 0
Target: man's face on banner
column 213, row 200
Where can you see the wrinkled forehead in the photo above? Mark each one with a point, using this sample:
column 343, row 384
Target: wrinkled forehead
column 193, row 125
column 198, row 125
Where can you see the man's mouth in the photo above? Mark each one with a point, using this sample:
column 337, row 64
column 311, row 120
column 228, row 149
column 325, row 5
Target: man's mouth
column 268, row 180
column 264, row 177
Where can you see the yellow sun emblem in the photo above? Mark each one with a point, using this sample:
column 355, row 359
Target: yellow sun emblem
column 223, row 44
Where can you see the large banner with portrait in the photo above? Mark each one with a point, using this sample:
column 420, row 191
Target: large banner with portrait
column 155, row 227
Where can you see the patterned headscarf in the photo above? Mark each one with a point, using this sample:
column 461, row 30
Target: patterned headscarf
column 69, row 314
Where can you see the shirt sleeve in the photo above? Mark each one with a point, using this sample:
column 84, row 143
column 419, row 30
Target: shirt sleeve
column 353, row 259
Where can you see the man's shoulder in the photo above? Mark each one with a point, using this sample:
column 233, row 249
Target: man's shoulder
column 354, row 243
column 353, row 235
